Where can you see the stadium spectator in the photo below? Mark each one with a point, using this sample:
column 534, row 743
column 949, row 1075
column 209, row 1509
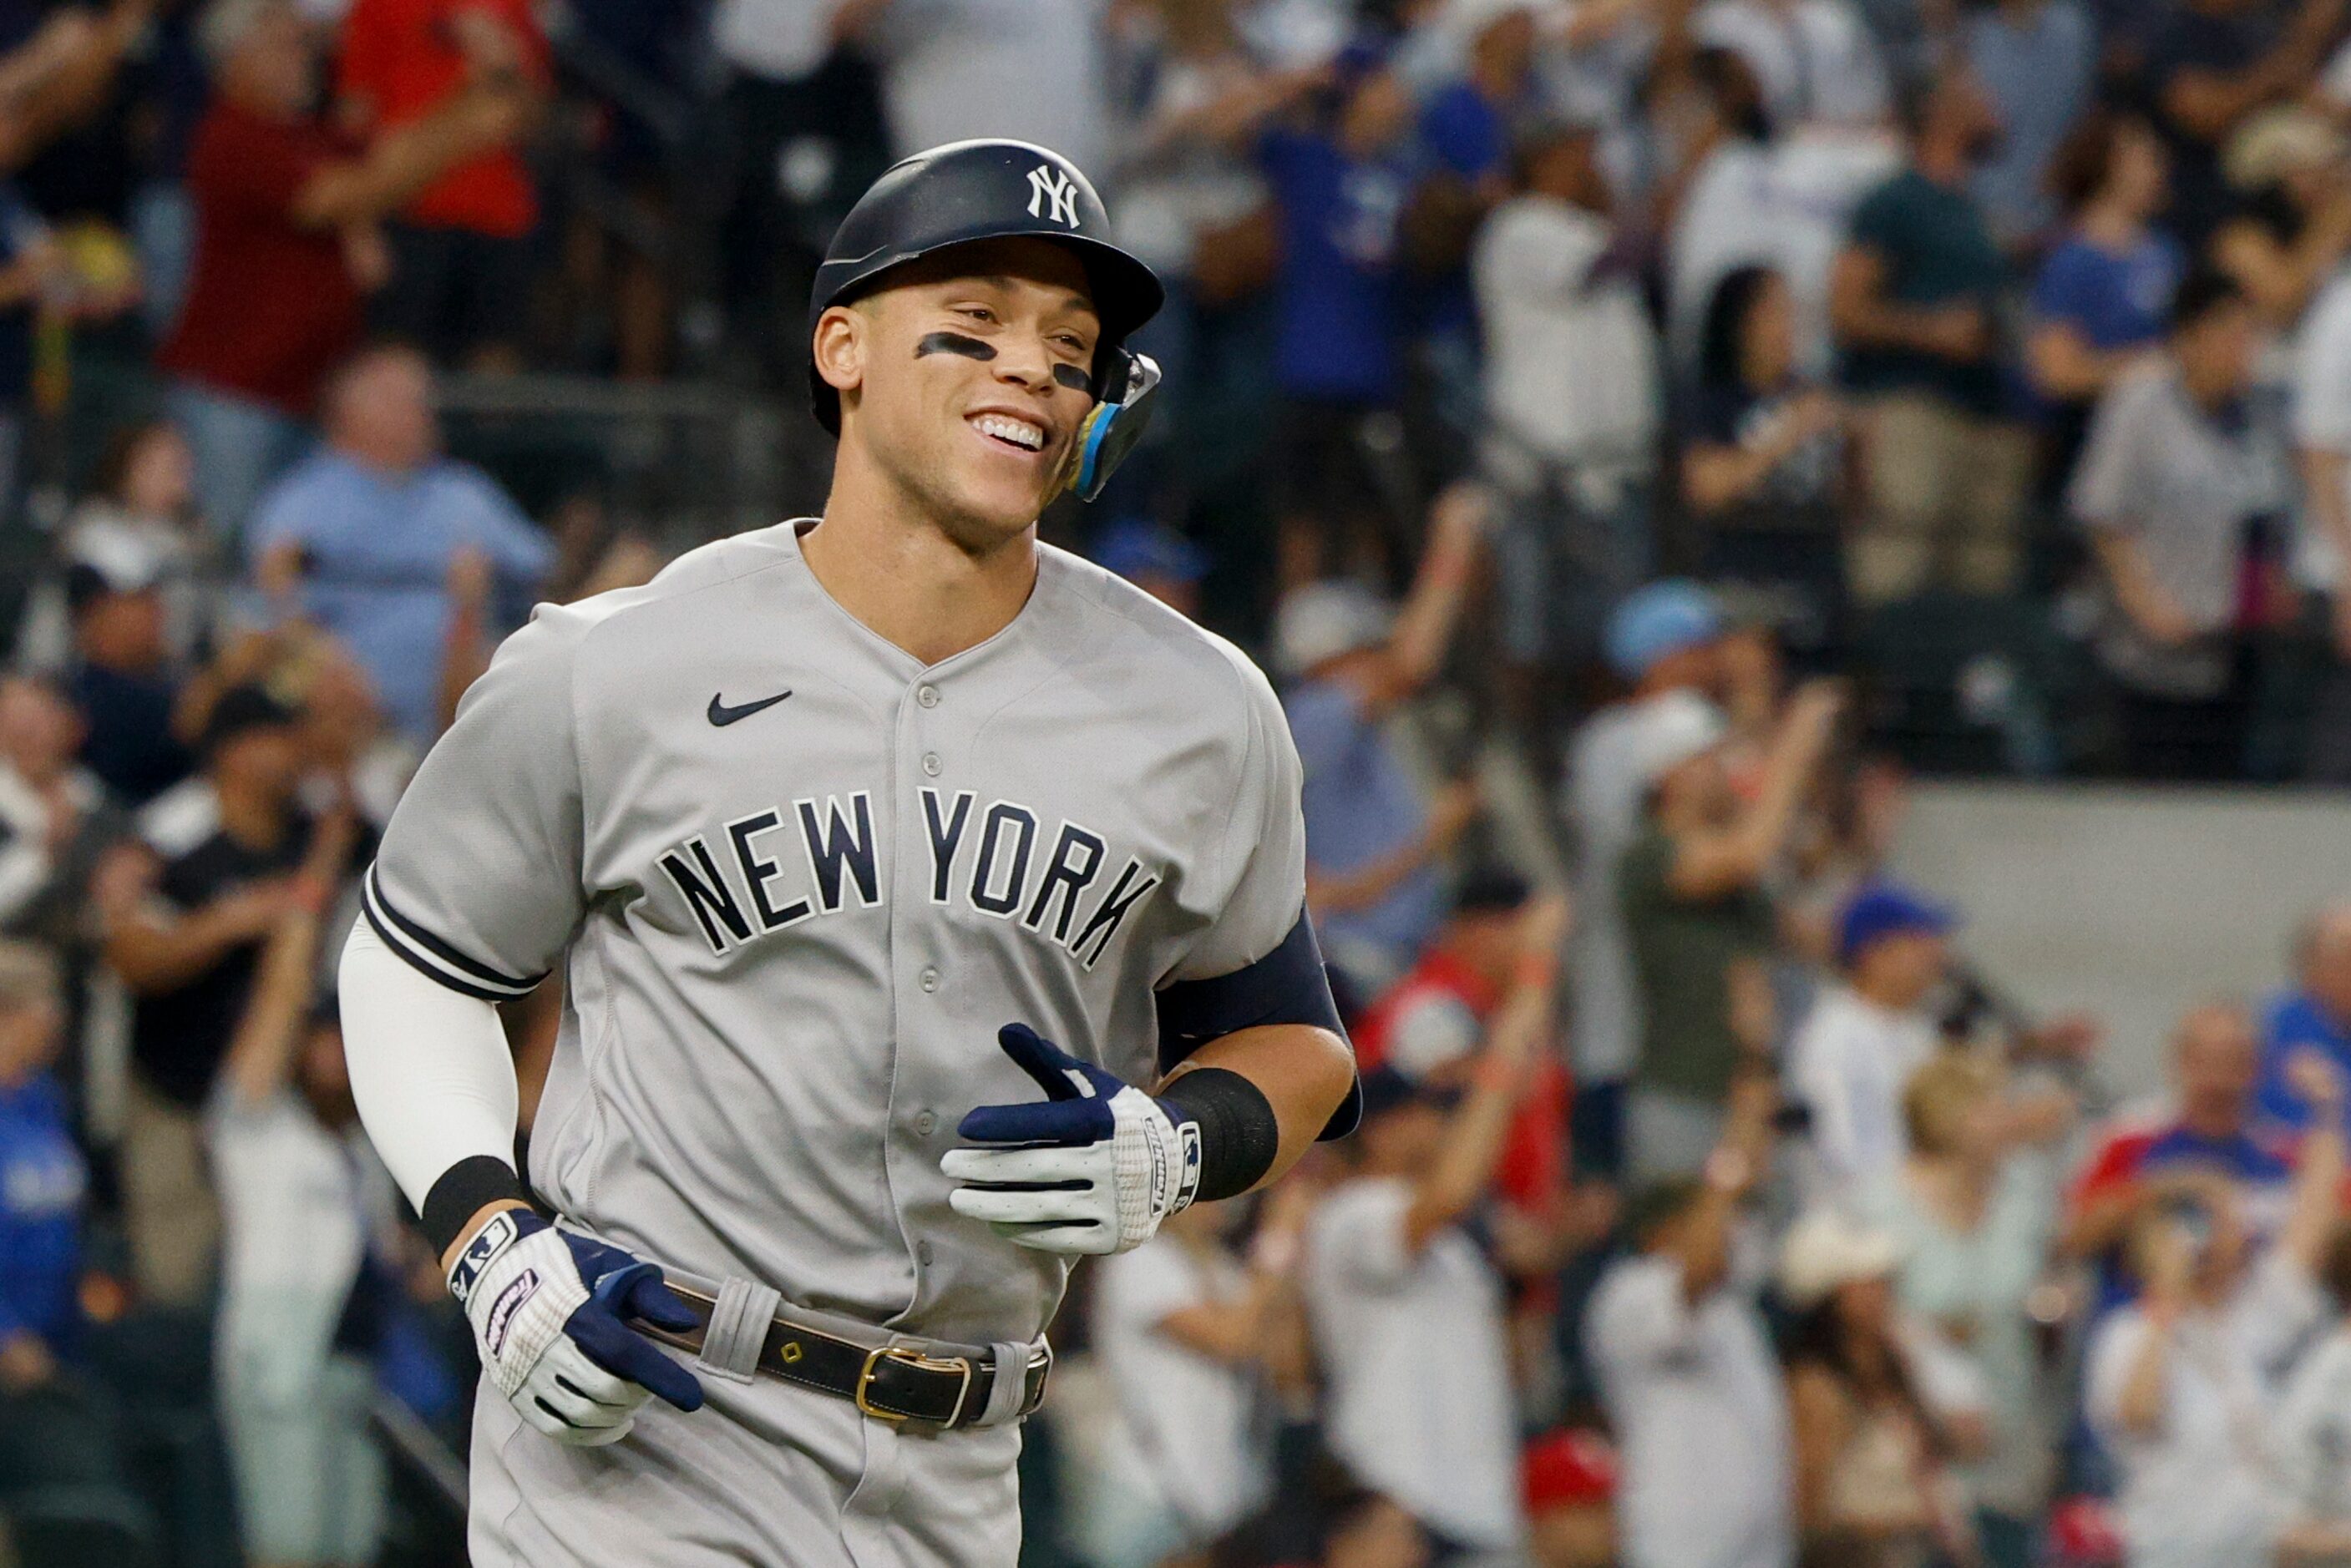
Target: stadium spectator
column 304, row 1205
column 1972, row 1209
column 2210, row 65
column 55, row 815
column 2037, row 61
column 803, row 106
column 2104, row 293
column 395, row 549
column 29, row 259
column 2313, row 1014
column 2168, row 486
column 2182, row 1385
column 57, row 1429
column 227, row 846
column 2205, row 1135
column 140, row 510
column 1762, row 455
column 1878, row 1405
column 2290, row 224
column 1155, row 558
column 1429, row 1421
column 1914, row 303
column 1816, row 60
column 1866, row 1033
column 945, row 65
column 1572, row 399
column 2314, row 1429
column 2322, row 434
column 1699, row 918
column 460, row 254
column 1194, row 1337
column 1373, row 847
column 1500, row 940
column 1685, row 1365
column 123, row 678
column 1340, row 176
column 287, row 240
column 1663, row 639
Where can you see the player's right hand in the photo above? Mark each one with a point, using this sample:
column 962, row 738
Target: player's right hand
column 550, row 1314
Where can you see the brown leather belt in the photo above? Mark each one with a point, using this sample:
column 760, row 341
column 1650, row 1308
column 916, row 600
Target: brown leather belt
column 889, row 1383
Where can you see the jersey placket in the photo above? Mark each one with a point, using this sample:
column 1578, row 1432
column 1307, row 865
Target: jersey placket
column 921, row 972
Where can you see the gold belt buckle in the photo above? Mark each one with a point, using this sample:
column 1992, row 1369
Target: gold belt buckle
column 917, row 1359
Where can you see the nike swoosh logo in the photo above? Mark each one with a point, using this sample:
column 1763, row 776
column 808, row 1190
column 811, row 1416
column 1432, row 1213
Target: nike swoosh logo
column 722, row 715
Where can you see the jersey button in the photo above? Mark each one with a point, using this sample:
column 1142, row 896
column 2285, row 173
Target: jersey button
column 927, row 1124
column 930, row 980
column 928, row 696
column 922, row 1251
column 931, row 764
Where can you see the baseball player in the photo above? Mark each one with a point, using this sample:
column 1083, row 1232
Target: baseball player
column 930, row 906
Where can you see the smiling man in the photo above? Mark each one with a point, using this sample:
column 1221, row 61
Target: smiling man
column 930, row 906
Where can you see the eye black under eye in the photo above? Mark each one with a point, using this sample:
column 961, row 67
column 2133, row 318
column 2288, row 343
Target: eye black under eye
column 1073, row 377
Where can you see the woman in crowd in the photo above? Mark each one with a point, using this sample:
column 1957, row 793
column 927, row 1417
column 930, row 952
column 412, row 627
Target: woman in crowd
column 138, row 520
column 1877, row 1405
column 2099, row 301
column 1973, row 1209
column 1763, row 459
column 2181, row 1383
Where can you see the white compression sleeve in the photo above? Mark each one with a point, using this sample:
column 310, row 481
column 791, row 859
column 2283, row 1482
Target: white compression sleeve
column 429, row 1068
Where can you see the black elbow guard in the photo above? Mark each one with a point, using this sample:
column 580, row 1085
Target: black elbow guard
column 1238, row 1133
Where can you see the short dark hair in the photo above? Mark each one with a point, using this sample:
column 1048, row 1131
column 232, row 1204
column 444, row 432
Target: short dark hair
column 2204, row 290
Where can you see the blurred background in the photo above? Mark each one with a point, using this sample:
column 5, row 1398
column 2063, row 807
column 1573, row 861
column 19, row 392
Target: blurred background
column 1800, row 540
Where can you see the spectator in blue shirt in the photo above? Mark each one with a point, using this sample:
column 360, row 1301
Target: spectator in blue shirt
column 2103, row 294
column 42, row 1177
column 1340, row 183
column 1372, row 846
column 2035, row 59
column 397, row 550
column 2314, row 1015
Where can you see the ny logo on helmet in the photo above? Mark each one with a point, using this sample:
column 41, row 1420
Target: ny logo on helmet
column 1054, row 195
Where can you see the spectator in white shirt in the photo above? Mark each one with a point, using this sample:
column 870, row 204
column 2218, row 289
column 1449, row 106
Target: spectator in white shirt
column 1686, row 1369
column 1572, row 396
column 2313, row 1428
column 1665, row 638
column 2322, row 429
column 303, row 1204
column 2181, row 1384
column 1867, row 1032
column 1190, row 1334
column 1405, row 1307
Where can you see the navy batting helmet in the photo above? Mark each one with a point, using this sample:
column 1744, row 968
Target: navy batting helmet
column 967, row 191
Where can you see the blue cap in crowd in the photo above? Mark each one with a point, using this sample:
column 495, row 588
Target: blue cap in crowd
column 1882, row 909
column 1136, row 547
column 1659, row 619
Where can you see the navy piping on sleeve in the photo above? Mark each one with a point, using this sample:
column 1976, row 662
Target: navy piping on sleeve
column 432, row 957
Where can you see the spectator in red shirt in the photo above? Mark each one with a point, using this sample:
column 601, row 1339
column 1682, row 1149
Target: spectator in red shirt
column 286, row 241
column 1498, row 941
column 460, row 247
column 2209, row 1130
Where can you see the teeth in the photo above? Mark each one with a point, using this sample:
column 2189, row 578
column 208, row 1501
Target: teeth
column 1020, row 432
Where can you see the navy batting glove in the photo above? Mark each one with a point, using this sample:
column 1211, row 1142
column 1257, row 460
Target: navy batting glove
column 1094, row 1166
column 550, row 1311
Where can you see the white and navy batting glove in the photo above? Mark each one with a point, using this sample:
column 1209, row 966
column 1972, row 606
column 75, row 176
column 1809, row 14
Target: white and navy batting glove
column 1092, row 1168
column 550, row 1314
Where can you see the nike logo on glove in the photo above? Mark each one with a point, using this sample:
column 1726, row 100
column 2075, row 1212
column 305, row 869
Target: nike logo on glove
column 722, row 715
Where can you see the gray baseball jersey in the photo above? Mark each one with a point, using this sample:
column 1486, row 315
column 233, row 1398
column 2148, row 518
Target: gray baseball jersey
column 798, row 880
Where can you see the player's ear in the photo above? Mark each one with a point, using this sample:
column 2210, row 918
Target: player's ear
column 843, row 334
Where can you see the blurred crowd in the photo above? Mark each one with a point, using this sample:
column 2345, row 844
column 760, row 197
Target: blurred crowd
column 1636, row 433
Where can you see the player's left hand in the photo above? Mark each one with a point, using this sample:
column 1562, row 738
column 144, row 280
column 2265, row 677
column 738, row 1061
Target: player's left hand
column 1094, row 1166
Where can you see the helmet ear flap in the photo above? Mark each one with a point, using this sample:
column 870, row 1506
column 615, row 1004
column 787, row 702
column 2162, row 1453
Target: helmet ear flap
column 1126, row 386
